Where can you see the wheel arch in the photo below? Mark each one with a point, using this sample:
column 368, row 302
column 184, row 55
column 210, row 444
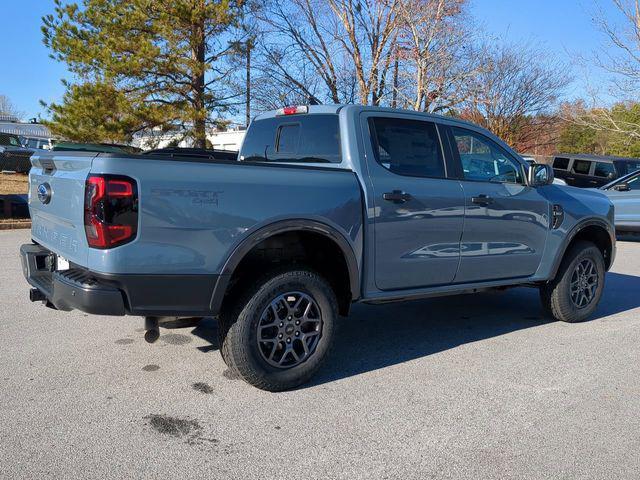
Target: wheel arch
column 270, row 231
column 593, row 230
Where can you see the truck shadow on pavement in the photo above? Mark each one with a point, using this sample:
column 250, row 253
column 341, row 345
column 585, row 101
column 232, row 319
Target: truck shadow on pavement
column 378, row 336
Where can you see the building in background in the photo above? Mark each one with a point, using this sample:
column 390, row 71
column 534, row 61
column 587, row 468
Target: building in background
column 32, row 134
column 229, row 139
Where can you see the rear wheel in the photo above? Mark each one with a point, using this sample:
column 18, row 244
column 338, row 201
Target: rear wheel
column 575, row 292
column 277, row 335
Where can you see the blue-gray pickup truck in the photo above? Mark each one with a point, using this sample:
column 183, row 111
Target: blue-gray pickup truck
column 324, row 206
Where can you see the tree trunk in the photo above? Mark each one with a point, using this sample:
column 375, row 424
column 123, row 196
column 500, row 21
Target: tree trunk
column 394, row 93
column 199, row 86
column 248, row 98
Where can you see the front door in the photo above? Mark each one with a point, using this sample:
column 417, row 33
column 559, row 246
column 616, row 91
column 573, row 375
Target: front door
column 506, row 222
column 418, row 212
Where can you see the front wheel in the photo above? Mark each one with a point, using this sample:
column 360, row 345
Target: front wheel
column 277, row 335
column 575, row 292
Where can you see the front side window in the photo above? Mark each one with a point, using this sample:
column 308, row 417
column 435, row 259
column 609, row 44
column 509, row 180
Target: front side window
column 581, row 167
column 606, row 170
column 484, row 160
column 407, row 147
column 626, row 166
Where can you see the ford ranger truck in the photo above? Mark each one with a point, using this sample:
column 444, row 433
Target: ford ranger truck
column 324, row 206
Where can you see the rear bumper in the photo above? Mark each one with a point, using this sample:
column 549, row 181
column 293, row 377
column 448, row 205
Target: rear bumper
column 73, row 289
column 126, row 294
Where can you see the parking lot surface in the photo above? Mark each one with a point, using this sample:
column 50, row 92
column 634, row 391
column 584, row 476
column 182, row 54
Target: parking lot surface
column 474, row 387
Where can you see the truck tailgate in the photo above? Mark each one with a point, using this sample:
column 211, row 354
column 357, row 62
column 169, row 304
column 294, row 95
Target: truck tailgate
column 56, row 202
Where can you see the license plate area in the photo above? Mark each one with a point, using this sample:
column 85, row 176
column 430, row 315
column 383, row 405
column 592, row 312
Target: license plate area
column 61, row 263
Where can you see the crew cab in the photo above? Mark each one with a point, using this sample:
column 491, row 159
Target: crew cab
column 324, row 206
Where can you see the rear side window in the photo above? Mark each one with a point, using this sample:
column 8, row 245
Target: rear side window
column 606, row 170
column 407, row 147
column 295, row 138
column 581, row 167
column 561, row 163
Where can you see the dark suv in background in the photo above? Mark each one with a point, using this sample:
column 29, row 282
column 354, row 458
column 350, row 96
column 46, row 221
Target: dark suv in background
column 592, row 170
column 14, row 156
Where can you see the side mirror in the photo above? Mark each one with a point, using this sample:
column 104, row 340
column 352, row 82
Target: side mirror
column 540, row 174
column 622, row 187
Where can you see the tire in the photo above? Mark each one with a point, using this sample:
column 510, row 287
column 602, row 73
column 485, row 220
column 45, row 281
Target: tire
column 295, row 306
column 559, row 298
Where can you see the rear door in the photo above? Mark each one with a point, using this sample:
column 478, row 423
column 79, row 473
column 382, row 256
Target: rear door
column 56, row 202
column 418, row 210
column 506, row 222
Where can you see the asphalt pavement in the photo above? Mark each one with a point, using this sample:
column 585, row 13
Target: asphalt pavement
column 477, row 386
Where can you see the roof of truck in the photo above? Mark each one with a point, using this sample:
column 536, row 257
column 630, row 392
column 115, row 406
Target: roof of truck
column 335, row 109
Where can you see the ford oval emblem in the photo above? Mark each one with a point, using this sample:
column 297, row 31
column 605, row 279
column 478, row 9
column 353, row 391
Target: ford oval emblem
column 44, row 193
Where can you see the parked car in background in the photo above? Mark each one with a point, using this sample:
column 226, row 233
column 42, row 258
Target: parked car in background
column 325, row 206
column 14, row 157
column 624, row 193
column 592, row 171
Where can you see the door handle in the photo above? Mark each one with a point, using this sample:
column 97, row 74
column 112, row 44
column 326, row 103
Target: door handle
column 397, row 196
column 482, row 200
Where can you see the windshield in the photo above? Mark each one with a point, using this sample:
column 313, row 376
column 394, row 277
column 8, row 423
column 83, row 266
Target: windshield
column 631, row 177
column 10, row 140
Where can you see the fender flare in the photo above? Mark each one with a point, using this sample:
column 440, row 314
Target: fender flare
column 572, row 234
column 247, row 244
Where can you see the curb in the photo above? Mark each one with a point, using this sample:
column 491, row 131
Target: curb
column 15, row 225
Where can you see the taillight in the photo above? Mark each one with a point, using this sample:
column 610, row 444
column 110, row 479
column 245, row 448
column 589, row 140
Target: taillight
column 110, row 210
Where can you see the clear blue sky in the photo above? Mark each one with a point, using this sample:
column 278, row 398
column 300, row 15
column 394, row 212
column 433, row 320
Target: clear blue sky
column 27, row 74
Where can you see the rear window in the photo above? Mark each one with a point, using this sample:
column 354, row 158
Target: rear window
column 581, row 167
column 296, row 138
column 561, row 163
column 8, row 139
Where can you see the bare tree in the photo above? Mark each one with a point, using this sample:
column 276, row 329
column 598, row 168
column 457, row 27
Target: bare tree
column 370, row 31
column 337, row 51
column 620, row 57
column 518, row 87
column 8, row 108
column 436, row 48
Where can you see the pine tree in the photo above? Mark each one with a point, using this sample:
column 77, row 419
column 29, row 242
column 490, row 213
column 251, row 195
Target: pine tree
column 156, row 63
